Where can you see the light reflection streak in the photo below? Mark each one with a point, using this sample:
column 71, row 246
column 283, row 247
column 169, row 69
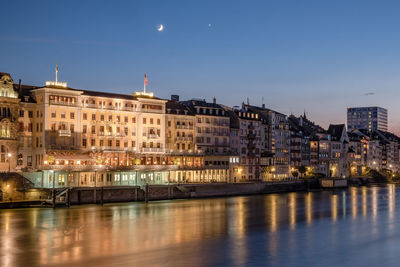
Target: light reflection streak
column 391, row 205
column 239, row 252
column 292, row 210
column 334, row 208
column 354, row 203
column 374, row 203
column 272, row 201
column 79, row 234
column 374, row 210
column 271, row 220
column 364, row 201
column 7, row 241
column 309, row 206
column 344, row 205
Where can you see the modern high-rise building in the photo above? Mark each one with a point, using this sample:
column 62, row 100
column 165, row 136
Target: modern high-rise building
column 368, row 118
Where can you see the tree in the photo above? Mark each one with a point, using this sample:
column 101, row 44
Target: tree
column 302, row 170
column 295, row 174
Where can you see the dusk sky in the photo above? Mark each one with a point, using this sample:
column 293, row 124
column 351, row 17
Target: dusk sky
column 321, row 56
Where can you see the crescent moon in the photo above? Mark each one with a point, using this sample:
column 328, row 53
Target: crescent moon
column 160, row 28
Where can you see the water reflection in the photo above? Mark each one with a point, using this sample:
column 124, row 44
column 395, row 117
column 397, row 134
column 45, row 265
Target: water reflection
column 354, row 202
column 308, row 209
column 334, row 207
column 251, row 230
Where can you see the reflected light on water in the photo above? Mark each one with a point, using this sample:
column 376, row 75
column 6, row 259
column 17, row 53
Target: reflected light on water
column 364, row 201
column 374, row 203
column 292, row 210
column 236, row 231
column 353, row 193
column 391, row 205
column 334, row 203
column 272, row 204
column 239, row 252
column 308, row 200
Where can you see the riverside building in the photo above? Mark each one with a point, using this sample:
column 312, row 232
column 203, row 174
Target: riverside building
column 60, row 136
column 367, row 118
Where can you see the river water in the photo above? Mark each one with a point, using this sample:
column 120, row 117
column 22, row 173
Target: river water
column 354, row 227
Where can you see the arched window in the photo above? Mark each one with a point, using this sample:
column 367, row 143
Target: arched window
column 3, row 154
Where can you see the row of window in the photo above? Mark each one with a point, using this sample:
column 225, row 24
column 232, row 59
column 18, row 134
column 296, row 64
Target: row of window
column 117, row 143
column 208, row 140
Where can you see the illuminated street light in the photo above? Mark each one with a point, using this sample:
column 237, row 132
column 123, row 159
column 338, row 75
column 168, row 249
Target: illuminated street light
column 9, row 162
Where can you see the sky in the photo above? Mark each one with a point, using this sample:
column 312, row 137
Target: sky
column 320, row 56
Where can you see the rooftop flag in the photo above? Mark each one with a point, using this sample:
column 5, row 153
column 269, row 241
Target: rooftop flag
column 145, row 83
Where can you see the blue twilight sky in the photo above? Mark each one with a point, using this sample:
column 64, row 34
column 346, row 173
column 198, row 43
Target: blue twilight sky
column 321, row 56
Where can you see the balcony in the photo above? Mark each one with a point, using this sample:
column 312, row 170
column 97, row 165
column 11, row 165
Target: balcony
column 108, row 168
column 61, row 147
column 64, row 133
column 152, row 150
column 187, row 139
column 63, row 103
column 184, row 152
column 189, row 127
column 153, row 136
column 111, row 148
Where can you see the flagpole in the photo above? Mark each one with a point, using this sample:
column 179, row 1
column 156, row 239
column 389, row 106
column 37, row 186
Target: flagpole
column 56, row 72
column 144, row 87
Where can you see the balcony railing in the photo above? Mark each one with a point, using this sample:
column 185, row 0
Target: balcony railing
column 62, row 103
column 153, row 136
column 109, row 168
column 64, row 133
column 152, row 150
column 189, row 127
column 180, row 138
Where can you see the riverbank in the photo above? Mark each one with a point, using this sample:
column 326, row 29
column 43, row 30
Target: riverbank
column 116, row 194
column 103, row 195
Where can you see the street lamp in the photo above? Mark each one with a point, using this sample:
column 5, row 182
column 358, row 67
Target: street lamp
column 9, row 162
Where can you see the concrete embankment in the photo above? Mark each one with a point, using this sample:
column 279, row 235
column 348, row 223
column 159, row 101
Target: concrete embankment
column 102, row 195
column 88, row 195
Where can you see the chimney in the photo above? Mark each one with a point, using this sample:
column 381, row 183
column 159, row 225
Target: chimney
column 214, row 100
column 263, row 105
column 175, row 98
column 19, row 87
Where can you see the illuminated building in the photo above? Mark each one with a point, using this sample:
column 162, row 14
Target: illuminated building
column 9, row 111
column 276, row 136
column 247, row 127
column 180, row 143
column 212, row 134
column 367, row 118
column 60, row 136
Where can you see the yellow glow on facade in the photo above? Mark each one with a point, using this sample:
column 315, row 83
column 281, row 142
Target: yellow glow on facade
column 56, row 84
column 149, row 94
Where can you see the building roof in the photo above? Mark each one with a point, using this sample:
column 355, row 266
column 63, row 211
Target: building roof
column 234, row 118
column 193, row 104
column 262, row 110
column 336, row 130
column 26, row 90
column 304, row 127
column 175, row 107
